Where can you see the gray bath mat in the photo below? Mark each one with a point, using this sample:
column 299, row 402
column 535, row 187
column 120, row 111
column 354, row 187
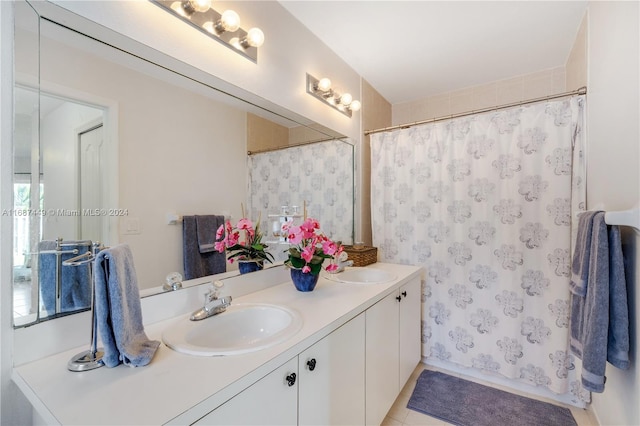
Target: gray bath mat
column 465, row 403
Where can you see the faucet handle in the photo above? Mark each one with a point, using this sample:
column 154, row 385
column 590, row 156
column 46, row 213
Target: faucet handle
column 214, row 291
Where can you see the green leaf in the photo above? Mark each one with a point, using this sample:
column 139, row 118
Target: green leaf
column 297, row 262
column 316, row 268
column 294, row 253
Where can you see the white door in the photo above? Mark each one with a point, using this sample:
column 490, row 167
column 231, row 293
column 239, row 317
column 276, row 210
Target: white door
column 410, row 333
column 331, row 389
column 382, row 372
column 90, row 185
column 270, row 401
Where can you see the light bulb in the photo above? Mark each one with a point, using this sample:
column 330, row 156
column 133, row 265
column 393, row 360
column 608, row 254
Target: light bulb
column 176, row 6
column 200, row 5
column 324, row 85
column 346, row 99
column 255, row 37
column 230, row 21
column 209, row 27
column 235, row 42
column 355, row 106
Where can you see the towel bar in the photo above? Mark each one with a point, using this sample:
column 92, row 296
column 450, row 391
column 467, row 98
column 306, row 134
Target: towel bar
column 174, row 219
column 629, row 217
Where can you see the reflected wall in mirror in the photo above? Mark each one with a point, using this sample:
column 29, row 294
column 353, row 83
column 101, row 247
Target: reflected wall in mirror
column 169, row 144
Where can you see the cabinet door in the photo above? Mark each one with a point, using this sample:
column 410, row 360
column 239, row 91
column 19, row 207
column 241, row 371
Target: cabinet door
column 269, row 401
column 331, row 389
column 382, row 340
column 410, row 320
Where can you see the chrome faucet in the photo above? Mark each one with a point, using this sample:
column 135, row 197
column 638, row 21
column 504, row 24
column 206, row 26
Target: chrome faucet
column 213, row 304
column 343, row 262
column 342, row 265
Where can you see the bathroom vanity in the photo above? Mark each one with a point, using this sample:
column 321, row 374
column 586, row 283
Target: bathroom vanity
column 358, row 344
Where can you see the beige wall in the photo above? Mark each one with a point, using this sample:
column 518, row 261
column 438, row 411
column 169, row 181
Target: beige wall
column 376, row 113
column 613, row 170
column 576, row 68
column 263, row 134
column 276, row 77
column 194, row 165
column 516, row 89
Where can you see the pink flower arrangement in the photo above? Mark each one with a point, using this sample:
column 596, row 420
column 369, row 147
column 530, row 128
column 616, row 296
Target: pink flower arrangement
column 310, row 247
column 244, row 242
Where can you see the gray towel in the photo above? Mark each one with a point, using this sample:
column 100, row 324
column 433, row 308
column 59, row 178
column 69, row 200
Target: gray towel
column 206, row 227
column 197, row 264
column 600, row 317
column 118, row 311
column 75, row 286
column 580, row 264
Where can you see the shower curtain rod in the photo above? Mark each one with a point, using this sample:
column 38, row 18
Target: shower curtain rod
column 580, row 91
column 261, row 151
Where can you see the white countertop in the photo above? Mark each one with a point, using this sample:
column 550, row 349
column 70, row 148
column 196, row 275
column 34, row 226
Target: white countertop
column 177, row 388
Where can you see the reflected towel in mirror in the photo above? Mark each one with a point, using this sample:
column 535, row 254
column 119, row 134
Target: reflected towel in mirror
column 75, row 283
column 206, row 227
column 196, row 263
column 118, row 311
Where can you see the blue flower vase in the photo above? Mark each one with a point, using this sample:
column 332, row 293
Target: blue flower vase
column 304, row 281
column 246, row 266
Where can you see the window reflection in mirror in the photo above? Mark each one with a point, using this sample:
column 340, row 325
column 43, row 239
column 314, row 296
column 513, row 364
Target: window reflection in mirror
column 27, row 188
column 174, row 146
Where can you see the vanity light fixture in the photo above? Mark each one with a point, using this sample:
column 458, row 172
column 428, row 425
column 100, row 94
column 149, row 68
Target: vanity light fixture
column 223, row 27
column 322, row 89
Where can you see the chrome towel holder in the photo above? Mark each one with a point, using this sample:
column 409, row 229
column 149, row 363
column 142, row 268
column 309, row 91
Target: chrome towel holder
column 92, row 358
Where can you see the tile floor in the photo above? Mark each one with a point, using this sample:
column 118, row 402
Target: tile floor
column 399, row 414
column 21, row 298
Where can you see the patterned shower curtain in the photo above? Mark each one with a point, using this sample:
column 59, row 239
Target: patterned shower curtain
column 320, row 174
column 487, row 203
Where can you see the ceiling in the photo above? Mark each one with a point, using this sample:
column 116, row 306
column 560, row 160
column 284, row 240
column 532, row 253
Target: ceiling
column 410, row 50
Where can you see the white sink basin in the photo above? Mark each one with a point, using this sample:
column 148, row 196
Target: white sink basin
column 362, row 276
column 242, row 328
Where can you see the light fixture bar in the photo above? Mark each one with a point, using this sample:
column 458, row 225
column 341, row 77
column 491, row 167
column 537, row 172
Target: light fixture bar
column 329, row 96
column 235, row 40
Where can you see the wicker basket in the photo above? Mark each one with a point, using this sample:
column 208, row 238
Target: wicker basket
column 362, row 256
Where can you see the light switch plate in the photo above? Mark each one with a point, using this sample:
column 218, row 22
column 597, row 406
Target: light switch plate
column 132, row 226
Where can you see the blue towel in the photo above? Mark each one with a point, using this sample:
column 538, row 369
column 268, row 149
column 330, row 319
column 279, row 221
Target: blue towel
column 580, row 264
column 118, row 312
column 599, row 309
column 206, row 227
column 197, row 264
column 75, row 286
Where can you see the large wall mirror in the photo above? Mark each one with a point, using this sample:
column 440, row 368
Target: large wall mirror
column 111, row 147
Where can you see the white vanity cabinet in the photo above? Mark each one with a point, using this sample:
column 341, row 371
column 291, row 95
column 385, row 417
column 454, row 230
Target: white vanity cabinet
column 392, row 347
column 331, row 388
column 324, row 385
column 364, row 338
column 272, row 400
column 410, row 329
